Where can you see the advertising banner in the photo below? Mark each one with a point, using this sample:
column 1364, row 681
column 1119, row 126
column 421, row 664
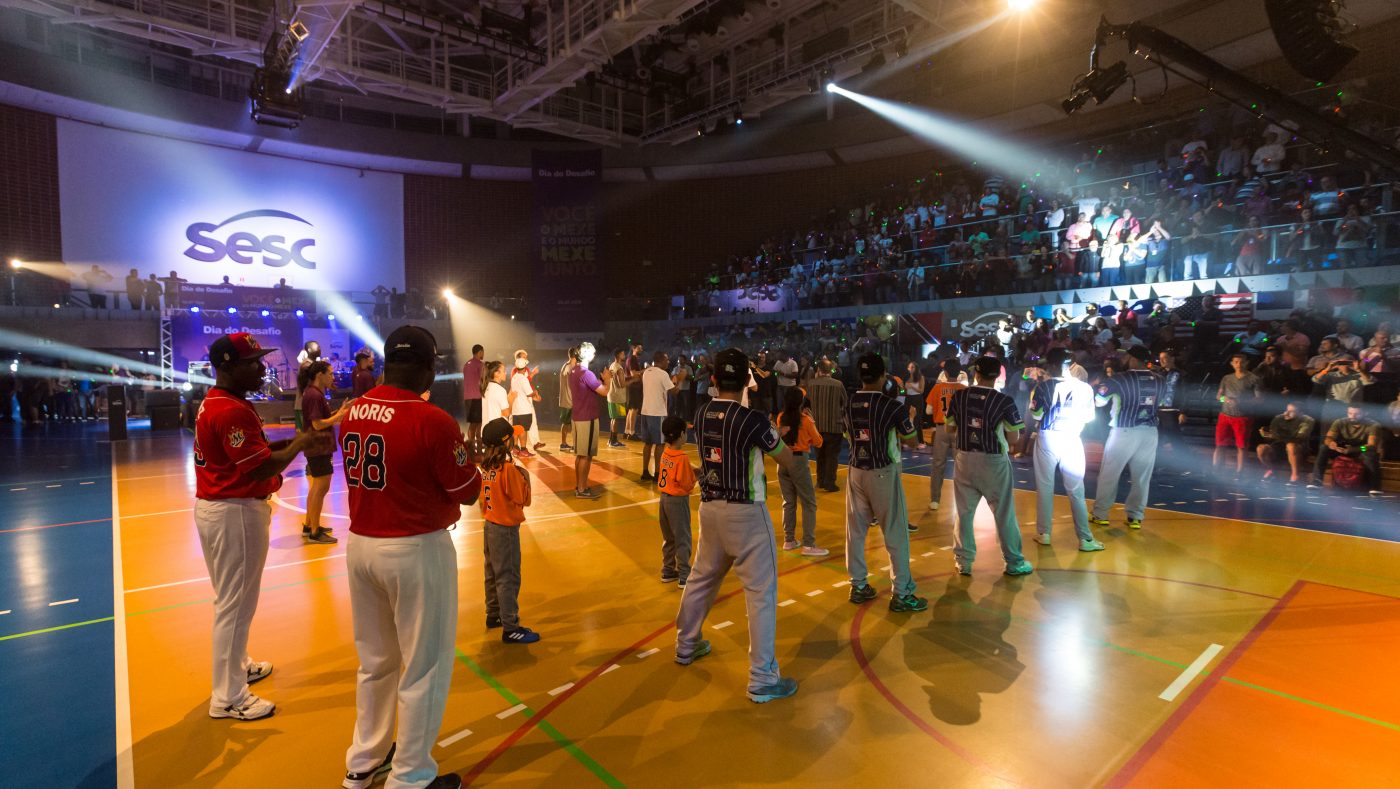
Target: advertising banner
column 191, row 333
column 221, row 297
column 570, row 287
column 761, row 298
column 137, row 201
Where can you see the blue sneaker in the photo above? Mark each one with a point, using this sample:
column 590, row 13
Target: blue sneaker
column 520, row 635
column 784, row 687
column 701, row 649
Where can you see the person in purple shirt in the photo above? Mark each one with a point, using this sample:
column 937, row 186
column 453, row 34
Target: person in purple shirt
column 471, row 390
column 585, row 387
column 362, row 380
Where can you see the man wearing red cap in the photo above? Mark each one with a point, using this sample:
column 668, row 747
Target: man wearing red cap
column 236, row 471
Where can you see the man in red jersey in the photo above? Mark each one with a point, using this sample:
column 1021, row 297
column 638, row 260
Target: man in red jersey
column 408, row 471
column 236, row 470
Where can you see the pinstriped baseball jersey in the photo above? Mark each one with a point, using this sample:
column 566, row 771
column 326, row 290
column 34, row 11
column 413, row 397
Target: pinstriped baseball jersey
column 877, row 423
column 1062, row 404
column 1133, row 398
column 979, row 414
column 733, row 440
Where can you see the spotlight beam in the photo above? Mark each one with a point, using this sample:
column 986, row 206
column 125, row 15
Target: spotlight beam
column 974, row 143
column 341, row 306
column 37, row 346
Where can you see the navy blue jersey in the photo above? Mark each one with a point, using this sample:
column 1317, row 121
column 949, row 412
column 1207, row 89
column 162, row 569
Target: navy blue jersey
column 877, row 423
column 979, row 414
column 1133, row 398
column 1062, row 404
column 733, row 440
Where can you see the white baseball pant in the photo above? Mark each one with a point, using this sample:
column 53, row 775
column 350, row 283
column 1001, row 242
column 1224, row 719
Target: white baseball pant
column 234, row 536
column 1065, row 451
column 1136, row 448
column 878, row 495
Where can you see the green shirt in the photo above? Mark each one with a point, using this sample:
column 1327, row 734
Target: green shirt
column 1284, row 429
column 1352, row 432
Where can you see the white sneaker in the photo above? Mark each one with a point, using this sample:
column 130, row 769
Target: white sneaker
column 1042, row 538
column 258, row 670
column 791, row 545
column 933, row 505
column 365, row 779
column 251, row 709
column 812, row 550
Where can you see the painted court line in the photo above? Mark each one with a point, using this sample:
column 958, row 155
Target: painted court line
column 814, row 593
column 1197, row 666
column 121, row 675
column 202, row 579
column 721, row 625
column 53, row 486
column 62, row 602
column 648, row 653
column 610, row 669
column 926, row 553
column 507, row 713
column 458, row 737
column 6, row 611
column 840, row 584
column 561, row 688
column 783, row 604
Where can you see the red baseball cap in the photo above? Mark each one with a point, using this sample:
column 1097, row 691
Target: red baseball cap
column 236, row 347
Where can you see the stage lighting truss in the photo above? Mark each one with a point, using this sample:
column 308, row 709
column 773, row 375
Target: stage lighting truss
column 276, row 98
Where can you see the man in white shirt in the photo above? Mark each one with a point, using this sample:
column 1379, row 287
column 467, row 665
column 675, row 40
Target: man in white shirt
column 786, row 370
column 1345, row 340
column 656, row 383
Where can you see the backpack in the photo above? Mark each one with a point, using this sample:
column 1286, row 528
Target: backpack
column 1348, row 473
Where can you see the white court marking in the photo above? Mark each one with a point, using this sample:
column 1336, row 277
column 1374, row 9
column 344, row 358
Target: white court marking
column 840, row 584
column 126, row 770
column 561, row 688
column 503, row 714
column 648, row 653
column 722, row 625
column 783, row 604
column 814, row 593
column 63, row 602
column 610, row 669
column 1197, row 666
column 458, row 737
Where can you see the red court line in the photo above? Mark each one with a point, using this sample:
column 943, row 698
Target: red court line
column 524, row 728
column 1154, row 578
column 1159, row 738
column 54, row 525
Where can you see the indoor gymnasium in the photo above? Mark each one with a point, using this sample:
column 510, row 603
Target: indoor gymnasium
column 423, row 393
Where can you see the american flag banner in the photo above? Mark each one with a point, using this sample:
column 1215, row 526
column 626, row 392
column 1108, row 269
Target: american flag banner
column 1237, row 310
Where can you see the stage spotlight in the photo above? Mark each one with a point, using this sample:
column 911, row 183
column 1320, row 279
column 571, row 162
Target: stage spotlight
column 195, row 310
column 187, row 386
column 233, row 310
column 831, row 87
column 359, row 316
column 1018, row 6
column 265, row 313
column 447, row 293
column 57, row 305
column 330, row 316
column 16, row 262
column 301, row 313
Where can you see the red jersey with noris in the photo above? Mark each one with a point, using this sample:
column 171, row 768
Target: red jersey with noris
column 406, row 465
column 228, row 444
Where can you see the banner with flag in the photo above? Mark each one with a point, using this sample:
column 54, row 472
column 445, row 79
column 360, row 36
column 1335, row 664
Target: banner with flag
column 1236, row 311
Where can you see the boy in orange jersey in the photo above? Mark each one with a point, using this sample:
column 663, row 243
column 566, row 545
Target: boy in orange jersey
column 950, row 381
column 676, row 479
column 505, row 494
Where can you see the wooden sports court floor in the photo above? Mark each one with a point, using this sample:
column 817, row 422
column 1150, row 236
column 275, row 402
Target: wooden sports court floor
column 1199, row 651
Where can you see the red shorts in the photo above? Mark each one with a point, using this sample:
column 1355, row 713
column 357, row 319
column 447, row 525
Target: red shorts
column 1228, row 427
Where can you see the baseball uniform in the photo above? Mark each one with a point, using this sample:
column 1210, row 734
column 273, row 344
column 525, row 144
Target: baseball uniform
column 675, row 479
column 1133, row 398
column 408, row 474
column 1063, row 406
column 874, row 489
column 941, row 449
column 983, row 470
column 232, row 515
column 735, row 530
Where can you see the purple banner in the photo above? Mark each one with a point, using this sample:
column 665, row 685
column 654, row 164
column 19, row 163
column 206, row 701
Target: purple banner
column 570, row 288
column 191, row 334
column 221, row 297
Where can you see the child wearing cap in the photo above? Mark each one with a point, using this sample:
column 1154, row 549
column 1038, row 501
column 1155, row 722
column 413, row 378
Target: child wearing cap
column 799, row 431
column 505, row 495
column 676, row 479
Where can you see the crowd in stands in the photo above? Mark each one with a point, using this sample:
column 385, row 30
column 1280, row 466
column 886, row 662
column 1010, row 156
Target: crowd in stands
column 1239, row 200
column 1324, row 359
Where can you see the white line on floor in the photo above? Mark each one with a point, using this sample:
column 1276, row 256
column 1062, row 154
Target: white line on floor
column 507, row 713
column 1222, row 499
column 6, row 611
column 16, row 490
column 1200, row 490
column 459, row 736
column 62, row 602
column 610, row 669
column 840, row 584
column 786, row 603
column 561, row 688
column 205, row 578
column 648, row 653
column 1202, row 501
column 1363, row 509
column 87, row 483
column 53, row 486
column 1164, row 485
column 886, row 568
column 814, row 593
column 946, row 548
column 926, row 553
column 1196, row 667
column 721, row 625
column 1178, row 502
column 168, row 512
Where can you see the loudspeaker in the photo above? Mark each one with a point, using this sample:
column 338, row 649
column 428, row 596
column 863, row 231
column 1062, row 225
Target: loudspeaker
column 162, row 397
column 116, row 413
column 165, row 417
column 1309, row 33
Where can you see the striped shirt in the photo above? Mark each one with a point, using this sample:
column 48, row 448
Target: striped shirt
column 733, row 440
column 980, row 414
column 1063, row 405
column 828, row 397
column 877, row 423
column 1133, row 398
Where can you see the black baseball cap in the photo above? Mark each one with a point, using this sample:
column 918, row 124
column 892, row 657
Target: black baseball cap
column 496, row 432
column 870, row 366
column 411, row 345
column 987, row 366
column 731, row 369
column 236, row 347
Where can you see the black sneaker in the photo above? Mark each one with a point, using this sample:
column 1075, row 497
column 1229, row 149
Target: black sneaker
column 913, row 527
column 321, row 537
column 493, row 622
column 902, row 603
column 669, row 579
column 862, row 594
column 680, row 583
column 364, row 779
column 647, row 477
column 565, row 448
column 520, row 635
column 449, row 781
column 306, row 530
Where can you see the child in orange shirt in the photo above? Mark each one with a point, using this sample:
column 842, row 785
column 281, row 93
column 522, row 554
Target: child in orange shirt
column 799, row 431
column 676, row 479
column 505, row 493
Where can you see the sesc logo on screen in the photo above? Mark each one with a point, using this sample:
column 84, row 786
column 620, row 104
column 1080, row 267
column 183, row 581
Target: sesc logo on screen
column 209, row 245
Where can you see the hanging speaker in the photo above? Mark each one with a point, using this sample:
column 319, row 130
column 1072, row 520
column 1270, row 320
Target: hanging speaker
column 1309, row 33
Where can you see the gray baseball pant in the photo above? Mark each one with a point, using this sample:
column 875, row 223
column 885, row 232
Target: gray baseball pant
column 502, row 570
column 978, row 476
column 674, row 517
column 1065, row 451
column 738, row 535
column 878, row 495
column 1136, row 448
column 797, row 488
column 940, row 453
